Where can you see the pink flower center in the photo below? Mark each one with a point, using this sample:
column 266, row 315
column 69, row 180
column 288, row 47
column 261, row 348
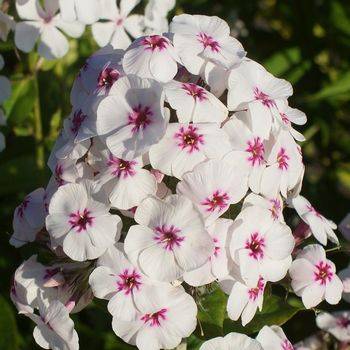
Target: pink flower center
column 254, row 293
column 81, row 220
column 47, row 18
column 107, row 77
column 255, row 245
column 168, row 237
column 343, row 322
column 208, row 41
column 154, row 320
column 312, row 210
column 217, row 201
column 286, row 345
column 77, row 120
column 323, row 273
column 257, row 150
column 195, row 91
column 23, row 206
column 263, row 98
column 155, row 42
column 128, row 281
column 140, row 118
column 119, row 21
column 189, row 138
column 275, row 208
column 282, row 159
column 121, row 168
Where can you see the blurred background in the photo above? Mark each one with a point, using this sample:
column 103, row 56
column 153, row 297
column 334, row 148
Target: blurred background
column 304, row 41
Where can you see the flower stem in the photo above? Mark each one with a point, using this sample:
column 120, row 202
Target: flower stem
column 38, row 128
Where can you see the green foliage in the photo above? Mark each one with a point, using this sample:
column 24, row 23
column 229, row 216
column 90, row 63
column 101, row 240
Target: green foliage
column 213, row 320
column 10, row 338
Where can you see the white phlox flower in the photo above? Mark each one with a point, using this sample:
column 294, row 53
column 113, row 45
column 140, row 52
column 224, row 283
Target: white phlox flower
column 314, row 277
column 217, row 266
column 84, row 11
column 261, row 246
column 118, row 25
column 273, row 338
column 165, row 316
column 231, row 341
column 186, row 145
column 29, row 218
column 170, row 238
column 132, row 117
column 45, row 25
column 320, row 227
column 200, row 39
column 81, row 223
column 194, row 103
column 126, row 181
column 251, row 86
column 337, row 323
column 213, row 186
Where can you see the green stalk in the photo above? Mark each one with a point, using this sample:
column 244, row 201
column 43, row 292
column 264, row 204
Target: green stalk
column 38, row 128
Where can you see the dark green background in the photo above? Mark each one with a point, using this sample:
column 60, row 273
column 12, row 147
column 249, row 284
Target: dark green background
column 304, row 41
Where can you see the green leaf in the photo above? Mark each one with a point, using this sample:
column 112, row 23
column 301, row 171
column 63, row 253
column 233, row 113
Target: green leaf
column 194, row 343
column 276, row 311
column 211, row 314
column 287, row 63
column 339, row 17
column 339, row 87
column 112, row 342
column 22, row 100
column 9, row 336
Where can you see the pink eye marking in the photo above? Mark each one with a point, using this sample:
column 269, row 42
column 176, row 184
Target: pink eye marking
column 263, row 98
column 216, row 201
column 275, row 208
column 154, row 320
column 282, row 159
column 49, row 273
column 129, row 280
column 107, row 77
column 81, row 220
column 324, row 273
column 155, row 42
column 121, row 168
column 257, row 151
column 119, row 21
column 77, row 121
column 286, row 345
column 23, row 206
column 254, row 293
column 47, row 18
column 189, row 138
column 208, row 41
column 58, row 174
column 195, row 91
column 168, row 237
column 343, row 322
column 217, row 247
column 285, row 118
column 140, row 118
column 255, row 245
column 312, row 210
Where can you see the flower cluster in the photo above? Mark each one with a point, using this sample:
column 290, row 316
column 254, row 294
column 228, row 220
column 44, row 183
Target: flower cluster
column 166, row 140
column 110, row 24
